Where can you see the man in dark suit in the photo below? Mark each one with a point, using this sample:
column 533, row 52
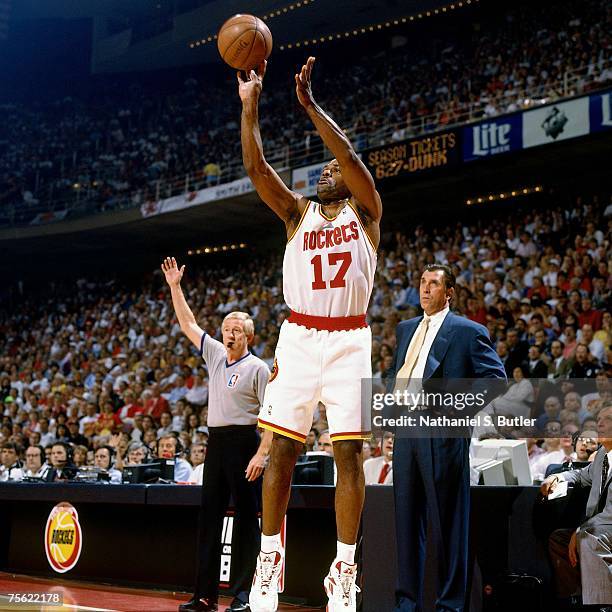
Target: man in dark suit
column 584, row 555
column 517, row 350
column 431, row 475
column 537, row 368
column 558, row 366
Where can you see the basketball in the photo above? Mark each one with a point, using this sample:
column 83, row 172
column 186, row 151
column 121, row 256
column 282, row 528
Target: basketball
column 244, row 41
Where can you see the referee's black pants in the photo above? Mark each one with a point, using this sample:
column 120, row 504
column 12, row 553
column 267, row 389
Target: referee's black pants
column 228, row 454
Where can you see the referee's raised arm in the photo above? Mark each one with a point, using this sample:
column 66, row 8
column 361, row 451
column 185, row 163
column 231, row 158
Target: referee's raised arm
column 184, row 315
column 236, row 456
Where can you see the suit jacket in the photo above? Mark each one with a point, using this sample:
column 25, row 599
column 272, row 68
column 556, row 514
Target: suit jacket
column 561, row 370
column 68, row 472
column 462, row 349
column 539, row 370
column 372, row 468
column 590, row 476
column 516, row 357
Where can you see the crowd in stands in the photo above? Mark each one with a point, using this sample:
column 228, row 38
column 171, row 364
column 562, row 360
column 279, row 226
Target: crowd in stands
column 113, row 147
column 103, row 365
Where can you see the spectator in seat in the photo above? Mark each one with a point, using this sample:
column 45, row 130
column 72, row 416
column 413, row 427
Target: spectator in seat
column 107, row 420
column 311, row 440
column 198, row 394
column 537, row 367
column 604, row 335
column 167, row 449
column 131, row 407
column 35, row 466
column 324, row 443
column 570, row 340
column 586, row 445
column 584, row 365
column 165, row 422
column 156, row 404
column 519, row 397
column 573, row 402
column 213, row 173
column 596, row 347
column 379, row 470
column 74, row 437
column 517, row 351
column 137, row 453
column 552, row 410
column 79, row 456
column 104, row 459
column 601, row 396
column 46, row 437
column 197, row 456
column 87, row 423
column 10, row 466
column 558, row 366
column 582, row 558
column 589, row 316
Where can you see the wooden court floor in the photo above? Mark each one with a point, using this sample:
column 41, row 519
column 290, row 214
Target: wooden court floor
column 89, row 597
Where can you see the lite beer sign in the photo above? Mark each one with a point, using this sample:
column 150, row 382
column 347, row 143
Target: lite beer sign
column 492, row 138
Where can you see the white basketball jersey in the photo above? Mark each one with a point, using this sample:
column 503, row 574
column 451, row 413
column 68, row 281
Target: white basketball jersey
column 329, row 265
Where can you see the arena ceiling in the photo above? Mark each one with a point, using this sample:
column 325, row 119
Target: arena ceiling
column 152, row 34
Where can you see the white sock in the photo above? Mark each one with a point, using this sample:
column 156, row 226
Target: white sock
column 346, row 552
column 271, row 543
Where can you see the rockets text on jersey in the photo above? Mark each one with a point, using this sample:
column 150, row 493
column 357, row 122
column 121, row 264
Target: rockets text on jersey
column 329, row 264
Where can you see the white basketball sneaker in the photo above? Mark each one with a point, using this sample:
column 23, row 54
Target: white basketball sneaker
column 264, row 592
column 341, row 588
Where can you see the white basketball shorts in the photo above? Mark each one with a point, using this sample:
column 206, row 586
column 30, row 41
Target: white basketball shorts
column 312, row 366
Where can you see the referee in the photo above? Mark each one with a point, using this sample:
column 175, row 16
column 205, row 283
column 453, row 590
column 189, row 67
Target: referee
column 235, row 459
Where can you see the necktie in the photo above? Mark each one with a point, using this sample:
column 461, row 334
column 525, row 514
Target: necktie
column 412, row 354
column 604, row 473
column 383, row 473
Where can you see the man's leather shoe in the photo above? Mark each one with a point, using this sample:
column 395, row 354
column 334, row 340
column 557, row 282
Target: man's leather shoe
column 199, row 605
column 238, row 605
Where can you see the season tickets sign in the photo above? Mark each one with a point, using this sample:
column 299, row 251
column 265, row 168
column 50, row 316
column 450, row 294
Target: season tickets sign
column 63, row 538
column 414, row 156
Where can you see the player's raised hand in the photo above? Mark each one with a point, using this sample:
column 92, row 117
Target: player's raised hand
column 303, row 84
column 171, row 271
column 251, row 86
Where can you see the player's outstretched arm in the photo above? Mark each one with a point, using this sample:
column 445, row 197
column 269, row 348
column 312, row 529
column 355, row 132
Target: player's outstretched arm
column 356, row 176
column 271, row 189
column 183, row 313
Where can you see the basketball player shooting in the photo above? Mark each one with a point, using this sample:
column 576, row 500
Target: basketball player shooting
column 324, row 347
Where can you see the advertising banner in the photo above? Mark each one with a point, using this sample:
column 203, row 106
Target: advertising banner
column 304, row 180
column 415, row 156
column 600, row 112
column 556, row 122
column 492, row 137
column 195, row 198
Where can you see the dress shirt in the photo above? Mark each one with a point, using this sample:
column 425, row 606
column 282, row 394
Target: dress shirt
column 435, row 322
